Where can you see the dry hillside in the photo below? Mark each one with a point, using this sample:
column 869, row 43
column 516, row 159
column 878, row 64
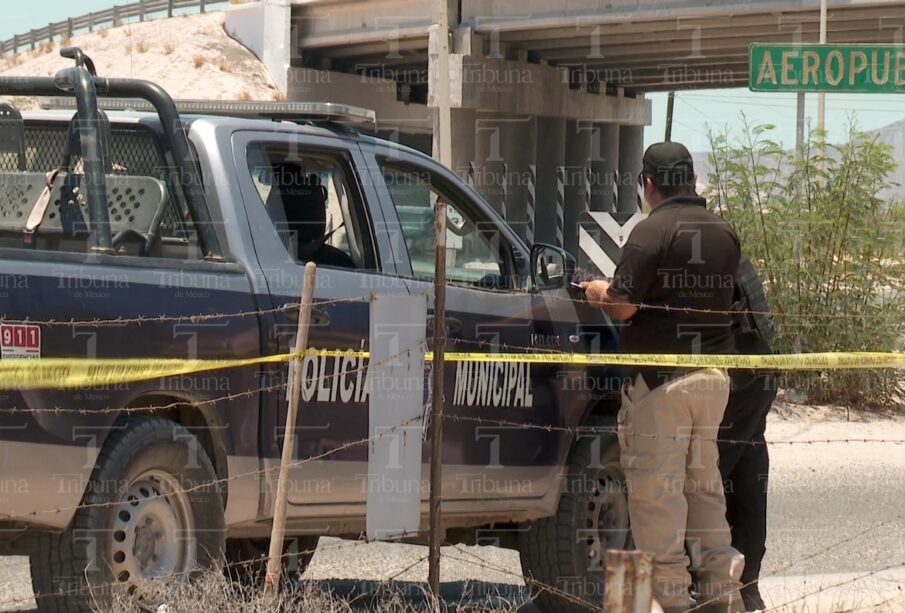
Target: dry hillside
column 190, row 56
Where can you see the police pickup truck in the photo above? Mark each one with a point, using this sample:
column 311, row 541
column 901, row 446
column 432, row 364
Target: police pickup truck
column 181, row 231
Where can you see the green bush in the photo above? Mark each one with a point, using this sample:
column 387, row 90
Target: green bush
column 829, row 243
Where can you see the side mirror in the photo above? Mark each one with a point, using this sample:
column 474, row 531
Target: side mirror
column 552, row 266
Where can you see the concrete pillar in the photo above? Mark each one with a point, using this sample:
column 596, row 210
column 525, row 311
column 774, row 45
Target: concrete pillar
column 631, row 143
column 551, row 151
column 490, row 164
column 277, row 41
column 519, row 151
column 577, row 185
column 604, row 166
column 462, row 141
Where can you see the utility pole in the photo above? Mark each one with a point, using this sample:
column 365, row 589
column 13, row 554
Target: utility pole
column 444, row 136
column 670, row 104
column 821, row 97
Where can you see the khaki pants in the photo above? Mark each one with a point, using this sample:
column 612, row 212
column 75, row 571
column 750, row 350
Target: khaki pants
column 667, row 440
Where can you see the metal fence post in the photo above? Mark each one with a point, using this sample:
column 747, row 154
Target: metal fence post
column 91, row 22
column 31, row 35
column 203, row 5
column 69, row 28
column 116, row 19
column 278, row 530
column 141, row 10
column 628, row 581
column 15, row 44
column 169, row 8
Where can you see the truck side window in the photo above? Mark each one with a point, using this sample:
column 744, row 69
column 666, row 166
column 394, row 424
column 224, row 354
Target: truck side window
column 473, row 256
column 310, row 200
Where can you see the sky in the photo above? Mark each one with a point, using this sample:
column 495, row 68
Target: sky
column 694, row 110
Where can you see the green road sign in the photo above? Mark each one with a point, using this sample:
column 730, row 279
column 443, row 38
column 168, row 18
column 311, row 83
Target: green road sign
column 826, row 68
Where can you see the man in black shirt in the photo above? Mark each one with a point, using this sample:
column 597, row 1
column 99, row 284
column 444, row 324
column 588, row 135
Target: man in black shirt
column 745, row 464
column 673, row 288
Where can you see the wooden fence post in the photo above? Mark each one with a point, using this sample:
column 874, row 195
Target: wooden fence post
column 628, row 581
column 278, row 530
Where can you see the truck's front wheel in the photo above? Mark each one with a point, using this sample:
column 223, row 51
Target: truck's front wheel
column 563, row 555
column 153, row 510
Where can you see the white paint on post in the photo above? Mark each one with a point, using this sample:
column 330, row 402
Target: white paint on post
column 395, row 408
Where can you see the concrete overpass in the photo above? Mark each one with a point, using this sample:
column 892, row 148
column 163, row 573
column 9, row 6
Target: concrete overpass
column 548, row 97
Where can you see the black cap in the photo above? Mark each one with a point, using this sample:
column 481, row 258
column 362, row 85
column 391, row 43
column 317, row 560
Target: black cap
column 669, row 164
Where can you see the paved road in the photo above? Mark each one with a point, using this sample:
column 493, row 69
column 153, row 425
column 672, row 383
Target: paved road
column 837, row 512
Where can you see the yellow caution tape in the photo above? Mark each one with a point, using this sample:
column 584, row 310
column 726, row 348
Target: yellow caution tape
column 63, row 373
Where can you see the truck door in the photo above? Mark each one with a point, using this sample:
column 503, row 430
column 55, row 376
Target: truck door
column 487, row 453
column 306, row 202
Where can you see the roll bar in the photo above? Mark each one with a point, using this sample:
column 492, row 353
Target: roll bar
column 79, row 81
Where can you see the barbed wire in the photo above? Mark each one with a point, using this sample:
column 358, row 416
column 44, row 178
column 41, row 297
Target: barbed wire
column 254, row 473
column 682, row 310
column 196, row 318
column 585, row 430
column 176, row 575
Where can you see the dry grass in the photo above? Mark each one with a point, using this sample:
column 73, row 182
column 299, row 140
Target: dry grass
column 244, row 95
column 169, row 48
column 224, row 65
column 199, row 61
column 213, row 592
column 127, row 48
column 279, row 96
column 102, row 32
column 143, row 46
column 66, row 42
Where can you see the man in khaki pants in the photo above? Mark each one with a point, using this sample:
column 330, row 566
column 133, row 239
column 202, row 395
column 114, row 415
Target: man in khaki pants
column 673, row 288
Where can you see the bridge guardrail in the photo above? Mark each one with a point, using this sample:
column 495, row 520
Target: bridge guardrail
column 116, row 16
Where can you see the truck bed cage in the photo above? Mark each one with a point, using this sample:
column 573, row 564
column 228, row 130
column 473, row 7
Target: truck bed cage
column 297, row 112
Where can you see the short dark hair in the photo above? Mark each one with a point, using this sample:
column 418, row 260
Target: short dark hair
column 673, row 190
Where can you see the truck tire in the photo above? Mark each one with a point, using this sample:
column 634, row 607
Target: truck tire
column 153, row 508
column 246, row 559
column 566, row 551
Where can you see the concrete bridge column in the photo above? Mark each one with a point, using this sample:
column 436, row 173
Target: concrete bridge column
column 462, row 141
column 520, row 152
column 577, row 179
column 551, row 159
column 604, row 166
column 489, row 162
column 631, row 143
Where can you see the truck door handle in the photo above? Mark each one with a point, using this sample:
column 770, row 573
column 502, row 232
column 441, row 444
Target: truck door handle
column 319, row 315
column 453, row 324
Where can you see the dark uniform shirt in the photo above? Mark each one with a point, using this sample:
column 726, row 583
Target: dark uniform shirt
column 681, row 256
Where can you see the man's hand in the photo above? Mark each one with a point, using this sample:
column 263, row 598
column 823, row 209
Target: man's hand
column 598, row 294
column 596, row 291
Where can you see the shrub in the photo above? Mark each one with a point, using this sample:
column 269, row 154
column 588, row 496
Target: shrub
column 224, row 65
column 199, row 61
column 244, row 95
column 829, row 242
column 169, row 48
column 143, row 46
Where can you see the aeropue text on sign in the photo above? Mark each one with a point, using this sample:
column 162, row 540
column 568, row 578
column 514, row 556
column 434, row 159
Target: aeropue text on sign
column 826, row 68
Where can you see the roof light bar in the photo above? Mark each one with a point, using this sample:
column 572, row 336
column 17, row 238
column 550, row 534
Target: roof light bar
column 290, row 111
